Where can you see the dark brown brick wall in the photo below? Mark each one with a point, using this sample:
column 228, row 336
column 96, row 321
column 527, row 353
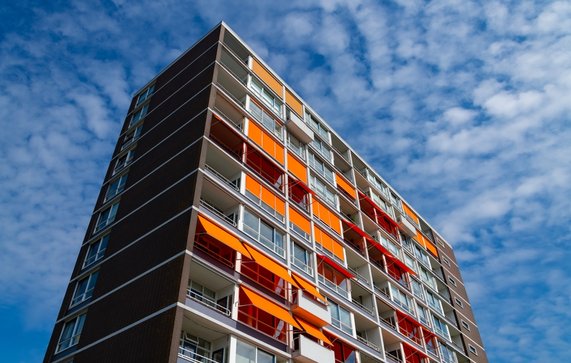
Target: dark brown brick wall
column 133, row 302
column 146, row 342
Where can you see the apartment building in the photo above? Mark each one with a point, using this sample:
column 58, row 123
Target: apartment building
column 234, row 225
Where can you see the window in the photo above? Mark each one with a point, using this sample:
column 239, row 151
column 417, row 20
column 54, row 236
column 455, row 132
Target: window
column 106, row 217
column 131, row 136
column 124, row 160
column 320, row 167
column 402, row 299
column 193, row 347
column 396, row 202
column 267, row 96
column 409, row 261
column 301, row 258
column 447, row 354
column 459, row 302
column 440, row 327
column 138, row 115
column 317, row 126
column 390, row 246
column 323, row 149
column 266, row 120
column 264, row 233
column 340, row 318
column 423, row 315
column 472, row 349
column 406, row 242
column 427, row 278
column 323, row 191
column 201, row 293
column 417, row 289
column 145, row 94
column 446, row 261
column 84, row 289
column 246, row 353
column 295, row 145
column 378, row 184
column 96, row 251
column 465, row 325
column 421, row 255
column 434, row 302
column 452, row 281
column 70, row 333
column 116, row 187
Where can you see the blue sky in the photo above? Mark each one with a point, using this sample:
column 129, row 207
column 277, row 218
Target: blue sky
column 462, row 106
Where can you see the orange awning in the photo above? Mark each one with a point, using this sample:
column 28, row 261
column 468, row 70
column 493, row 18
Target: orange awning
column 294, row 103
column 269, row 264
column 266, row 142
column 270, row 307
column 410, row 213
column 308, row 287
column 222, row 236
column 343, row 184
column 299, row 220
column 329, row 243
column 267, row 77
column 326, row 216
column 313, row 331
column 296, row 168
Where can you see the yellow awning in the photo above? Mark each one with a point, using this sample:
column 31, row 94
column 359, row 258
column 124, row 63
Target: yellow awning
column 308, row 286
column 269, row 264
column 313, row 331
column 221, row 235
column 270, row 307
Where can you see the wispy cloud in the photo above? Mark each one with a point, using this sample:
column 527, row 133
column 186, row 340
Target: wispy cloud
column 462, row 105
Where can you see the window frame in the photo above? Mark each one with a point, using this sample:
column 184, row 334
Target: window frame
column 139, row 114
column 308, row 255
column 119, row 184
column 87, row 294
column 336, row 319
column 109, row 219
column 77, row 327
column 103, row 241
column 266, row 96
column 145, row 94
column 257, row 234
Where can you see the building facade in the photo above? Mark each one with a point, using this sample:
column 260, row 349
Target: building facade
column 234, row 225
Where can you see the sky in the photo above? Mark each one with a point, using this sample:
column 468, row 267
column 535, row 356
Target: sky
column 462, row 106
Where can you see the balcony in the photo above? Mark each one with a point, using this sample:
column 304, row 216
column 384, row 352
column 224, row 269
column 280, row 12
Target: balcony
column 299, row 128
column 310, row 309
column 201, row 340
column 308, row 351
column 210, row 290
column 368, row 333
column 218, row 203
column 406, row 226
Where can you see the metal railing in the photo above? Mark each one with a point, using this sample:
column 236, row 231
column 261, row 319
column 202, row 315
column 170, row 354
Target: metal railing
column 193, row 356
column 337, row 288
column 209, row 302
column 234, row 184
column 218, row 212
column 368, row 343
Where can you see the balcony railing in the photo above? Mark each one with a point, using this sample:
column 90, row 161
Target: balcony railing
column 337, row 288
column 392, row 358
column 192, row 356
column 234, row 184
column 368, row 343
column 204, row 300
column 218, row 212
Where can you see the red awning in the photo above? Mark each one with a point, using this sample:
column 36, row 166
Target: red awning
column 302, row 185
column 336, row 266
column 415, row 350
column 356, row 229
column 387, row 217
column 402, row 316
column 401, row 264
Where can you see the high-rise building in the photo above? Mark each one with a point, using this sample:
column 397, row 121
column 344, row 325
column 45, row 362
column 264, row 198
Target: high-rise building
column 234, row 225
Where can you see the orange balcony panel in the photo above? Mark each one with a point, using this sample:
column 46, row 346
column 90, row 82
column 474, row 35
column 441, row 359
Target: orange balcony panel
column 267, row 77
